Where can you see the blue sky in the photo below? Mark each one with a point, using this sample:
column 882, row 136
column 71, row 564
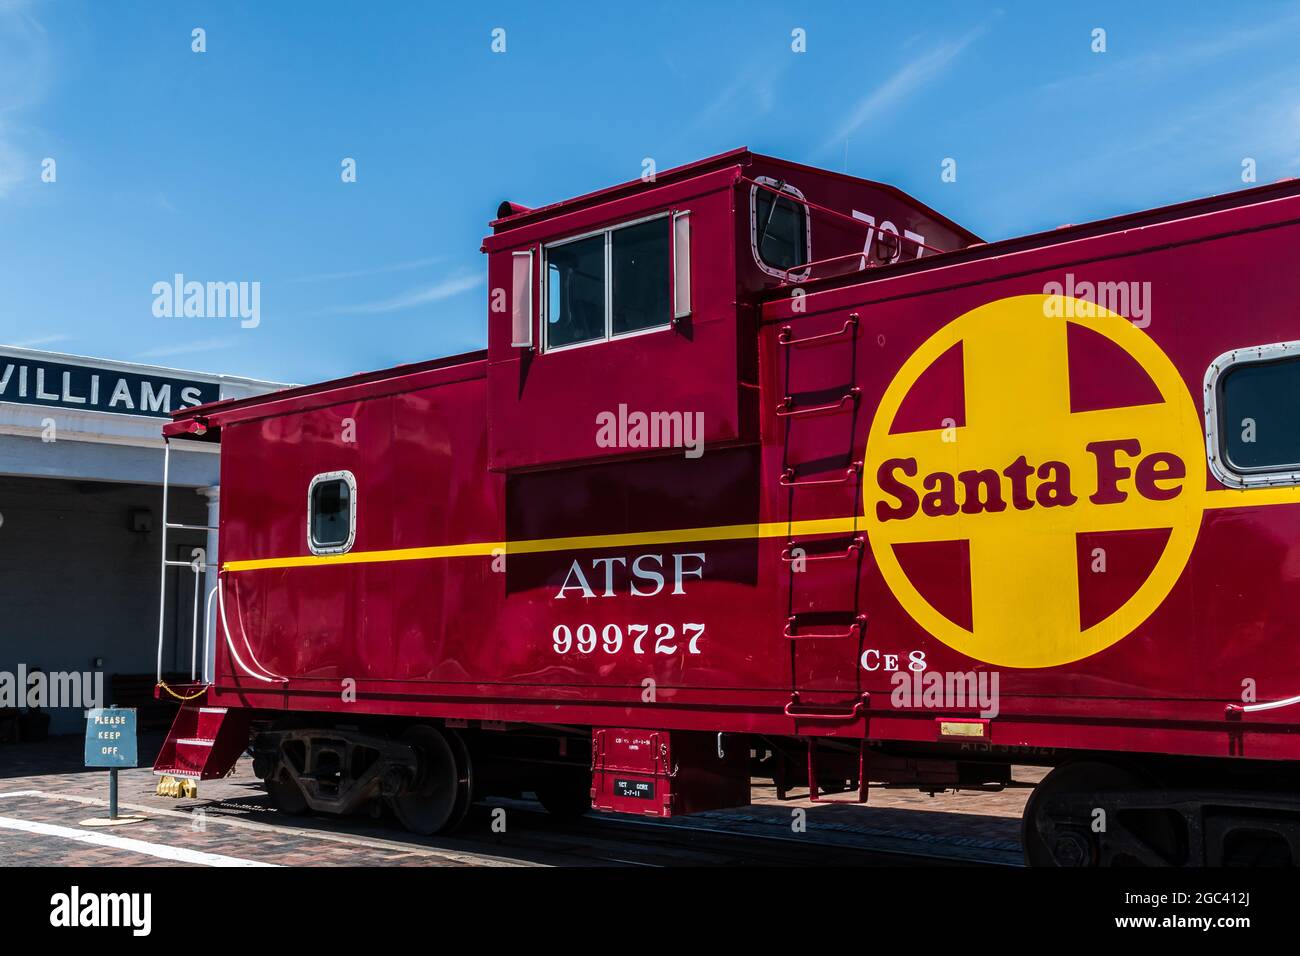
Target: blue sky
column 225, row 165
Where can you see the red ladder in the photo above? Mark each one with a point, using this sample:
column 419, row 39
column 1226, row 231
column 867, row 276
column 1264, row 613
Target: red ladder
column 817, row 554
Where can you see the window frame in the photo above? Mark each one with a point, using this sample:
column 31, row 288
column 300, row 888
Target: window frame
column 796, row 193
column 1271, row 476
column 350, row 479
column 609, row 336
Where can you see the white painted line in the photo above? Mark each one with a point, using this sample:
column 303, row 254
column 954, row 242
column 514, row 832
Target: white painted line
column 174, row 853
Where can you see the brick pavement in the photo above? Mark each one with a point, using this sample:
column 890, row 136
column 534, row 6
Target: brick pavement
column 233, row 818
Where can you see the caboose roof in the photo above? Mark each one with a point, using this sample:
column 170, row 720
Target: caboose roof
column 213, row 415
column 739, row 157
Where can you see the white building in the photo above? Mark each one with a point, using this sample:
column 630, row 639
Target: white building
column 81, row 467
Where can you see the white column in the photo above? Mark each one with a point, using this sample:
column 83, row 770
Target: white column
column 213, row 494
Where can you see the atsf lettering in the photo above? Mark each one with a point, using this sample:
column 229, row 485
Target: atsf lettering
column 642, row 576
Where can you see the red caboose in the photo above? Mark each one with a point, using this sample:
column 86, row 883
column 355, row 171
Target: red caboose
column 769, row 470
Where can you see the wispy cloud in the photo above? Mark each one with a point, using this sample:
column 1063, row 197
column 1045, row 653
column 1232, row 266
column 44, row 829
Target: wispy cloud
column 751, row 93
column 42, row 341
column 1259, row 119
column 897, row 88
column 372, row 271
column 189, row 348
column 1179, row 153
column 1177, row 57
column 24, row 76
column 446, row 289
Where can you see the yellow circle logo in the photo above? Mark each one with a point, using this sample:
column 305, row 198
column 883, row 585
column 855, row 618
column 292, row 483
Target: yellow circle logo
column 1025, row 473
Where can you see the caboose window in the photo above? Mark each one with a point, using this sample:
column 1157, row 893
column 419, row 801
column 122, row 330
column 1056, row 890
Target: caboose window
column 1253, row 416
column 332, row 512
column 641, row 273
column 778, row 228
column 613, row 283
column 575, row 289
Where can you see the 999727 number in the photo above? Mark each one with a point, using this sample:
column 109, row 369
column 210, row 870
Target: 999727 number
column 638, row 639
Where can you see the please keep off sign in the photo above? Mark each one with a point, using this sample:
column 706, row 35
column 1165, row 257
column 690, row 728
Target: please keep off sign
column 110, row 737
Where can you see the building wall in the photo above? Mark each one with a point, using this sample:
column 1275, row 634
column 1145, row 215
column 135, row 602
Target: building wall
column 77, row 584
column 103, row 461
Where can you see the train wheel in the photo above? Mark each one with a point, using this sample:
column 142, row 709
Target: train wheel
column 1057, row 830
column 427, row 807
column 286, row 795
column 565, row 794
column 464, row 780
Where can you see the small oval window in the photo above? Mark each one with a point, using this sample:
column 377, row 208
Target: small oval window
column 1253, row 415
column 1261, row 416
column 332, row 512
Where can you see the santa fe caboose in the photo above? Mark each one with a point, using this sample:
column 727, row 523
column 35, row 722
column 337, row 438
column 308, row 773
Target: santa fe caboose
column 772, row 471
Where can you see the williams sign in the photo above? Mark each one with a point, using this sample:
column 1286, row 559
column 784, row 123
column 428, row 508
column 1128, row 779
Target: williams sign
column 85, row 388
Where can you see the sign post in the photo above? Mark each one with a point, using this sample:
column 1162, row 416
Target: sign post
column 111, row 743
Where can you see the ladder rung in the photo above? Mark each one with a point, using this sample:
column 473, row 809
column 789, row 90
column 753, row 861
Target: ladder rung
column 853, row 548
column 785, row 336
column 862, row 702
column 850, row 474
column 786, row 408
column 792, row 623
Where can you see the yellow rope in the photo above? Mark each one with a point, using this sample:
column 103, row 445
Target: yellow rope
column 199, row 693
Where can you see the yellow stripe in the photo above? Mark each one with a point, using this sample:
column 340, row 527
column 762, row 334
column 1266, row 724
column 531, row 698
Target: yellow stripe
column 1234, row 497
column 731, row 532
column 1225, row 498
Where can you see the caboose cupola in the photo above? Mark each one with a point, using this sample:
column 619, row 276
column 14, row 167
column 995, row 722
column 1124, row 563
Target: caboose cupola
column 643, row 296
